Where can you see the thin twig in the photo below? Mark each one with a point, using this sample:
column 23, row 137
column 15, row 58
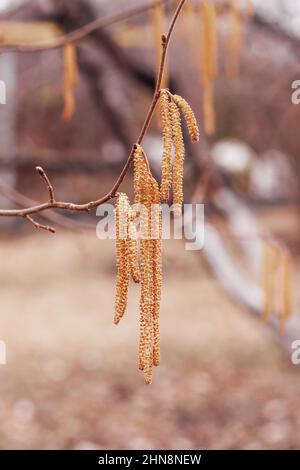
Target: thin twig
column 39, row 226
column 52, row 203
column 23, row 201
column 45, row 178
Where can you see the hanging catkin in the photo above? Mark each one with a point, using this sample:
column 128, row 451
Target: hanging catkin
column 189, row 28
column 208, row 108
column 132, row 248
column 235, row 40
column 156, row 234
column 269, row 267
column 178, row 159
column 147, row 195
column 146, row 328
column 189, row 116
column 70, row 79
column 209, row 61
column 146, row 300
column 143, row 199
column 277, row 280
column 123, row 266
column 157, row 17
column 285, row 310
column 141, row 171
column 166, row 172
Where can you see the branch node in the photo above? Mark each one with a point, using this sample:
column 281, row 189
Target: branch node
column 45, row 178
column 164, row 40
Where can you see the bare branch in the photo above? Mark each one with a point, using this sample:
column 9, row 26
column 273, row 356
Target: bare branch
column 52, row 203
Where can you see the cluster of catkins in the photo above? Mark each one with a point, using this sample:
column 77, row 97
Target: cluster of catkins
column 277, row 280
column 201, row 27
column 139, row 251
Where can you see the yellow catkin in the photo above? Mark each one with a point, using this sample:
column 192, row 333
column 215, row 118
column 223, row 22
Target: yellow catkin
column 157, row 17
column 189, row 27
column 70, row 79
column 132, row 248
column 141, row 171
column 178, row 158
column 146, row 340
column 209, row 42
column 189, row 116
column 123, row 267
column 209, row 109
column 235, row 40
column 286, row 304
column 143, row 197
column 269, row 268
column 156, row 235
column 166, row 176
column 147, row 194
column 146, row 300
column 209, row 61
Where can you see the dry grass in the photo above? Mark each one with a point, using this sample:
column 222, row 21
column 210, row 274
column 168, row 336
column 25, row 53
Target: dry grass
column 71, row 380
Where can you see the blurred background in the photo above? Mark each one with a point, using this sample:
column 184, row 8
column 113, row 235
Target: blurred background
column 71, row 380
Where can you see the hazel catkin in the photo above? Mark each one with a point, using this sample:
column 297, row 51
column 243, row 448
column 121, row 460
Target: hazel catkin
column 147, row 195
column 209, row 61
column 132, row 249
column 123, row 267
column 178, row 157
column 156, row 231
column 189, row 116
column 286, row 301
column 269, row 267
column 70, row 79
column 166, row 171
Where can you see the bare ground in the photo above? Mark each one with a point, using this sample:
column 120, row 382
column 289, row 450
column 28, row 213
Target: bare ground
column 71, row 379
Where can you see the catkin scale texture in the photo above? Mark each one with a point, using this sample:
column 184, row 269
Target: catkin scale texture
column 166, row 171
column 132, row 249
column 123, row 266
column 179, row 155
column 156, row 227
column 189, row 116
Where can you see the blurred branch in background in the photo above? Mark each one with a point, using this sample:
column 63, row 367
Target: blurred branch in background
column 83, row 31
